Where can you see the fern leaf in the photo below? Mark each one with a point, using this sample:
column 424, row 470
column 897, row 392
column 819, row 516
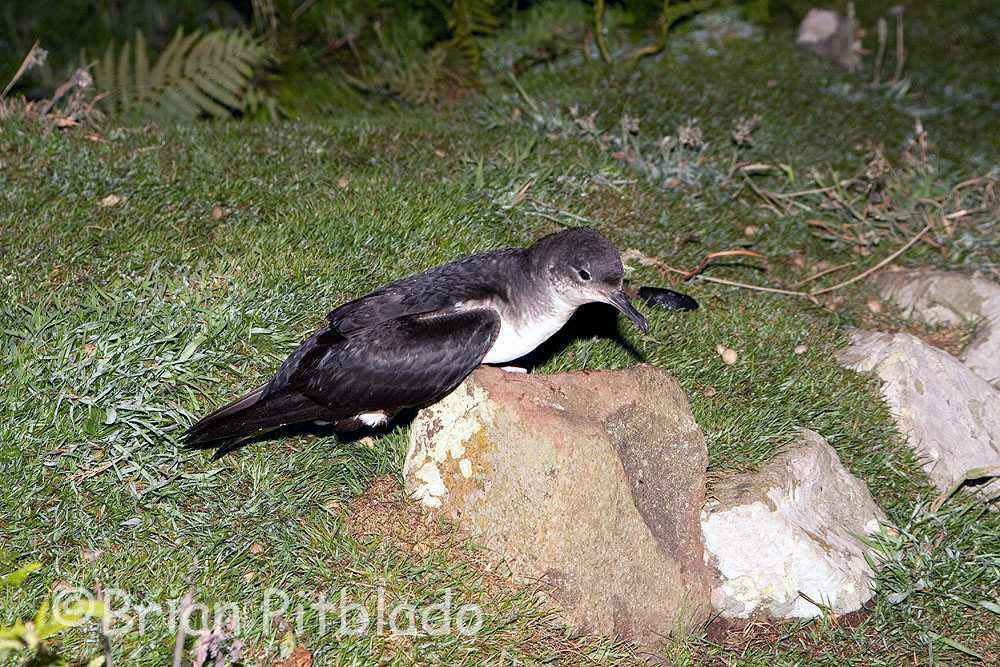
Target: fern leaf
column 196, row 74
column 210, row 82
column 104, row 78
column 203, row 102
column 175, row 67
column 158, row 74
column 239, row 57
column 467, row 19
column 175, row 104
column 124, row 79
column 141, row 77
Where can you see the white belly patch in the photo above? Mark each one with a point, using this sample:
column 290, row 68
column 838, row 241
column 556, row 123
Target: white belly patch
column 513, row 343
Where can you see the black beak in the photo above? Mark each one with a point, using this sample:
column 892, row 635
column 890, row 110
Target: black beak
column 620, row 301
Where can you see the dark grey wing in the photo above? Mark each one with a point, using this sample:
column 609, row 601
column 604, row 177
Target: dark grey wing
column 406, row 362
column 442, row 288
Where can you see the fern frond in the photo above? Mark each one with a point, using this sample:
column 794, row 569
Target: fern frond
column 467, row 19
column 104, row 78
column 141, row 76
column 197, row 74
column 122, row 79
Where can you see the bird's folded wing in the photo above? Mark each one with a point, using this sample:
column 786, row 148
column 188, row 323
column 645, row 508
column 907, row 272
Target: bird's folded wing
column 468, row 280
column 405, row 362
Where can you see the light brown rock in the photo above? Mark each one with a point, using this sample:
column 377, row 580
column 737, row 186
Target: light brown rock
column 590, row 482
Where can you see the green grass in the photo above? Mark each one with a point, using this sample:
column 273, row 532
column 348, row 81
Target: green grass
column 122, row 324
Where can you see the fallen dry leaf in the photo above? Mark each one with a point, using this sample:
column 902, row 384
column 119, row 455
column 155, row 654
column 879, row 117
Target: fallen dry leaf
column 344, row 182
column 750, row 230
column 218, row 213
column 300, row 657
column 256, row 548
column 756, row 168
column 800, row 349
column 710, row 392
column 59, row 586
column 63, row 121
column 728, row 354
column 88, row 348
column 111, row 200
column 439, row 152
column 874, row 305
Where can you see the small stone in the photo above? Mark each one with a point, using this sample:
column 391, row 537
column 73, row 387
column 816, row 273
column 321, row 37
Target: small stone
column 111, row 200
column 218, row 213
column 344, row 182
column 728, row 355
column 831, row 36
column 440, row 153
column 874, row 305
column 710, row 392
column 256, row 548
column 800, row 349
column 750, row 230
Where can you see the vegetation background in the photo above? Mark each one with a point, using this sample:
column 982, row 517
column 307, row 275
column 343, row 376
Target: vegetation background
column 178, row 210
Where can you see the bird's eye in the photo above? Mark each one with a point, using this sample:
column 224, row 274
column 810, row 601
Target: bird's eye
column 584, row 274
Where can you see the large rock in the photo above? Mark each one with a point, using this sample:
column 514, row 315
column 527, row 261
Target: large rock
column 589, row 482
column 788, row 534
column 948, row 414
column 940, row 297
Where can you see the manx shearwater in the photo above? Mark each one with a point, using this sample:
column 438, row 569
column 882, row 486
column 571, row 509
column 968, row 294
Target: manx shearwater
column 411, row 342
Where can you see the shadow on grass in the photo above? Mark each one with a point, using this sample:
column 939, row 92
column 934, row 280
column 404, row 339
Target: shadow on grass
column 594, row 320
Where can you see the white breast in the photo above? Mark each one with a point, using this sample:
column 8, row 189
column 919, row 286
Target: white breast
column 516, row 341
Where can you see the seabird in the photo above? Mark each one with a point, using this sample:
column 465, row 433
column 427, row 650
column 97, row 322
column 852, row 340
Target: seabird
column 410, row 343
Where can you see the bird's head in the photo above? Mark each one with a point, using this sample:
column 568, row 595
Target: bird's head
column 582, row 266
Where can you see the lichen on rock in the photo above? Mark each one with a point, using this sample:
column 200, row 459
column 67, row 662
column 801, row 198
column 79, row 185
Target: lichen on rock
column 588, row 483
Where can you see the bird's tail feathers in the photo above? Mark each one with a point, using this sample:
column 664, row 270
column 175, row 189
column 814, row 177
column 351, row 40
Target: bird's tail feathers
column 254, row 414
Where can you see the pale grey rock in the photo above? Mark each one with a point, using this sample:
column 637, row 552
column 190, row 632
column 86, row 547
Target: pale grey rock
column 942, row 297
column 789, row 532
column 591, row 483
column 831, row 36
column 948, row 414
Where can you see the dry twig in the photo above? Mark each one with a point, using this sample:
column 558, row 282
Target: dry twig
column 824, row 272
column 707, row 259
column 811, row 295
column 884, row 262
column 30, row 60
